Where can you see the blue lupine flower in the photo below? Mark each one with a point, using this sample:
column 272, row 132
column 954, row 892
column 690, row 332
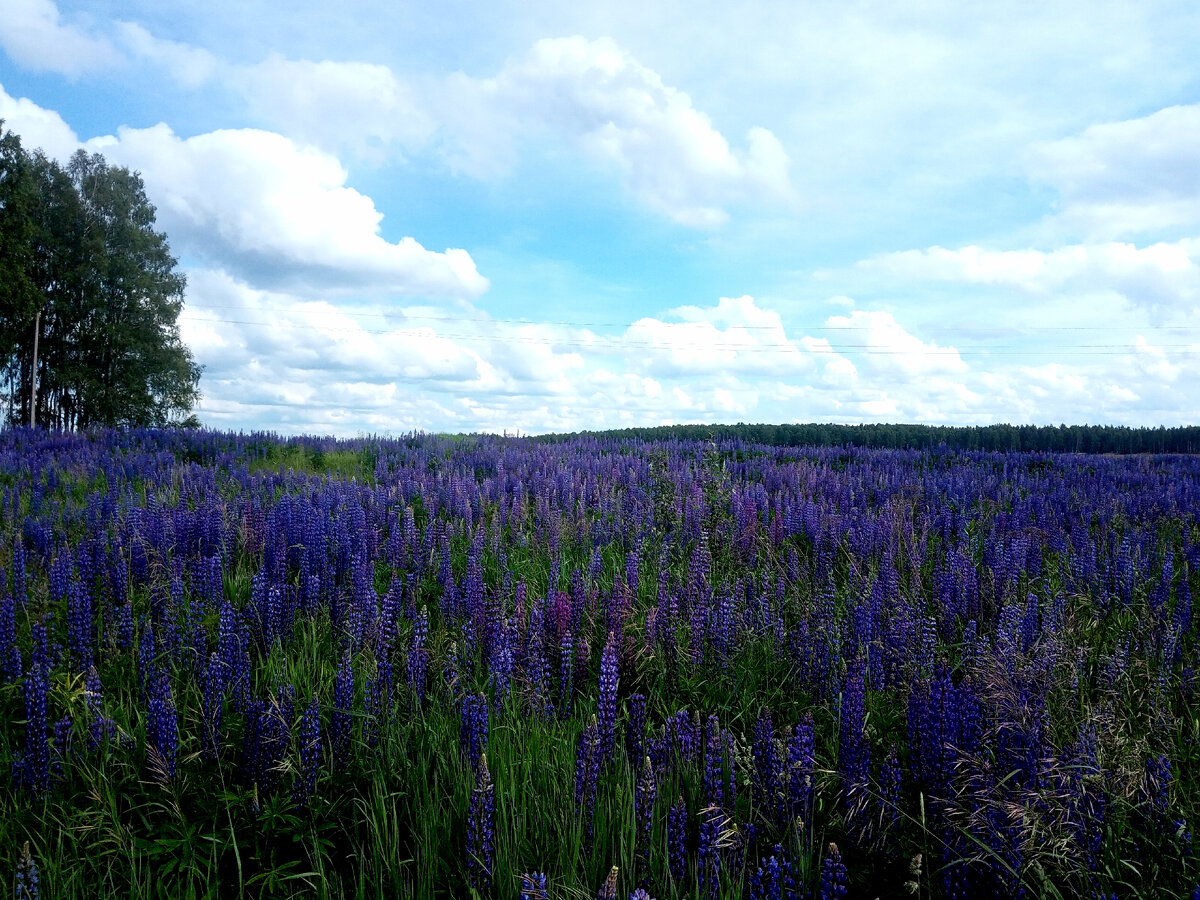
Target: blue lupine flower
column 677, row 820
column 162, row 728
column 481, row 829
column 310, row 753
column 340, row 721
column 473, row 729
column 833, row 875
column 27, row 883
column 533, row 886
column 606, row 715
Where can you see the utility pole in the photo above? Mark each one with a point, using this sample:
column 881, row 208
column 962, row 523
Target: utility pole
column 37, row 322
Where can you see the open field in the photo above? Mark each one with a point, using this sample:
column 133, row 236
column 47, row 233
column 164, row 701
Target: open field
column 234, row 666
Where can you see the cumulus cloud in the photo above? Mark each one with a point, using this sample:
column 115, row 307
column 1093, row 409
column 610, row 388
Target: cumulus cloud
column 38, row 127
column 190, row 66
column 296, row 364
column 734, row 336
column 280, row 214
column 334, row 104
column 33, row 34
column 887, row 346
column 1158, row 276
column 620, row 114
column 591, row 94
column 1126, row 178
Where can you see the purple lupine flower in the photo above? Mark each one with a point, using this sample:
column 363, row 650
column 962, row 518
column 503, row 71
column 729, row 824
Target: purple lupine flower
column 36, row 762
column 501, row 663
column 235, row 657
column 768, row 794
column 275, row 736
column 18, row 574
column 566, row 675
column 890, row 780
column 606, row 714
column 769, row 881
column 473, row 729
column 537, row 667
column 533, row 886
column 63, row 734
column 125, row 626
column 81, row 627
column 677, row 819
column 310, row 754
column 481, row 829
column 708, row 853
column 372, row 705
column 854, row 749
column 587, row 770
column 645, row 791
column 212, row 706
column 800, row 769
column 10, row 654
column 714, row 765
column 27, row 884
column 389, row 614
column 418, row 656
column 339, row 720
column 162, row 728
column 101, row 728
column 833, row 875
column 608, row 890
column 640, row 894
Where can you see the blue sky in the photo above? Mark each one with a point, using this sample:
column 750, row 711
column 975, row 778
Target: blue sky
column 527, row 217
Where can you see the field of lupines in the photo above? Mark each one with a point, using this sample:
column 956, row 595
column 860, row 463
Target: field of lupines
column 237, row 666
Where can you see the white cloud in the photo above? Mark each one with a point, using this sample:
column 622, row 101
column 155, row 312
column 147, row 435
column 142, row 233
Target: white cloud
column 619, row 113
column 33, row 34
column 1126, row 178
column 37, row 127
column 734, row 336
column 591, row 94
column 886, row 346
column 334, row 104
column 190, row 66
column 1163, row 275
column 280, row 214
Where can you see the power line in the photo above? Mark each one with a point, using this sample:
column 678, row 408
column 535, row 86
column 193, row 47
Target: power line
column 609, row 343
column 566, row 324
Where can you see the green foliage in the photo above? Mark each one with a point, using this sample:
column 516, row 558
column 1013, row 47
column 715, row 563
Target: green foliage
column 81, row 264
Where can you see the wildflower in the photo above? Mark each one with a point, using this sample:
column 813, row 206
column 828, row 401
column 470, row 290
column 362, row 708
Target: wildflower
column 310, row 753
column 36, row 764
column 608, row 891
column 481, row 829
column 28, row 884
column 677, row 840
column 607, row 705
column 833, row 875
column 533, row 886
column 162, row 727
column 473, row 728
column 644, row 793
column 587, row 768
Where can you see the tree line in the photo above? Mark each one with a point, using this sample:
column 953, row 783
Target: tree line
column 89, row 297
column 1003, row 437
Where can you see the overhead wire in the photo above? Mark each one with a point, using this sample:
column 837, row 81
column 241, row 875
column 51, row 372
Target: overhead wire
column 610, row 343
column 568, row 324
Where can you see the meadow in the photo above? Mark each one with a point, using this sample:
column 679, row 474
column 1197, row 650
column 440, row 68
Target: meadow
column 233, row 665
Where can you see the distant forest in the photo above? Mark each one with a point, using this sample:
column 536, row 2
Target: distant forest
column 1051, row 438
